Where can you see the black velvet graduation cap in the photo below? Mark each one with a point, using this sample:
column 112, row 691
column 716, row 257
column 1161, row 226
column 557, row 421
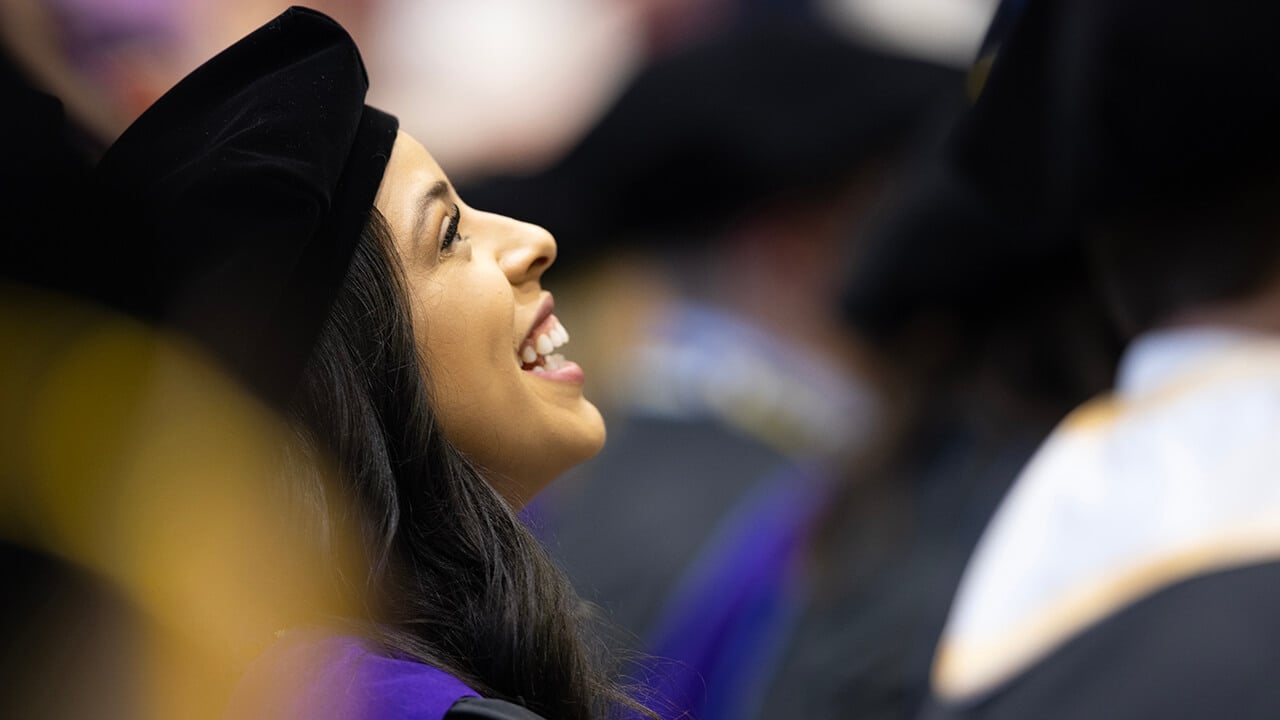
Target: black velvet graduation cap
column 233, row 204
column 1092, row 109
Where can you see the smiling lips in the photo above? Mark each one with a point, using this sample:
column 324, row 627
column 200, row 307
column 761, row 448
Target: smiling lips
column 535, row 352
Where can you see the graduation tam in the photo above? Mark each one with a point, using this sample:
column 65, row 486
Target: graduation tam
column 232, row 206
column 1092, row 110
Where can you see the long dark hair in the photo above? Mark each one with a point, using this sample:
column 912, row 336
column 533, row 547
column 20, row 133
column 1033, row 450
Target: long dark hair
column 448, row 575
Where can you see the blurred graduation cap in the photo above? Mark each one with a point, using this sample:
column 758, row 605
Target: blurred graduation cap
column 1091, row 109
column 701, row 135
column 240, row 194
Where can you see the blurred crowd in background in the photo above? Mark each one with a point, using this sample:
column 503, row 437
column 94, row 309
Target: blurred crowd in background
column 814, row 406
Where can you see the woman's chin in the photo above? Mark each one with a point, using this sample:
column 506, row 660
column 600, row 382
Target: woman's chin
column 595, row 432
column 573, row 442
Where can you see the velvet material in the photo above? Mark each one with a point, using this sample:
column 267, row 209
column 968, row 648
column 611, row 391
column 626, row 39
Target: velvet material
column 1091, row 109
column 233, row 204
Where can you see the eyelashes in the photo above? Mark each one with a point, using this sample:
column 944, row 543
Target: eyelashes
column 449, row 231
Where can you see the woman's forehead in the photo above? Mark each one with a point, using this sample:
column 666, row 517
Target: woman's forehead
column 411, row 173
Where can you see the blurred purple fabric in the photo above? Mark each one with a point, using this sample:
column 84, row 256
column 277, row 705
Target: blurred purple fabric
column 320, row 676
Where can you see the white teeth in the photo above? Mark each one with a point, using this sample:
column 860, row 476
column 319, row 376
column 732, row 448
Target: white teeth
column 559, row 335
column 538, row 369
column 542, row 347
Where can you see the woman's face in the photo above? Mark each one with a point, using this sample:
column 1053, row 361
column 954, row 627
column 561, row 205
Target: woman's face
column 502, row 392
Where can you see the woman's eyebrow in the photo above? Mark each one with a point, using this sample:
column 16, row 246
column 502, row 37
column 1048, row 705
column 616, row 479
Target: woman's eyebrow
column 433, row 194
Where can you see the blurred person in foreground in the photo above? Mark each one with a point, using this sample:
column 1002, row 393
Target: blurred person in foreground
column 263, row 212
column 125, row 594
column 47, row 601
column 1133, row 570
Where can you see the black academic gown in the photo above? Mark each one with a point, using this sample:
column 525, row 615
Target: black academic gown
column 1202, row 648
column 1133, row 571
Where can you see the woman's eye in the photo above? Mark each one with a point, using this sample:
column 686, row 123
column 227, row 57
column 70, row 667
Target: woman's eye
column 449, row 230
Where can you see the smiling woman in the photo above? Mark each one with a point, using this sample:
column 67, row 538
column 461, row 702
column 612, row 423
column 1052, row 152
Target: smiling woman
column 323, row 258
column 485, row 326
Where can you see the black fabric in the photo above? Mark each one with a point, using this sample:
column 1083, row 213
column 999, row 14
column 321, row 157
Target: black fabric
column 1136, row 103
column 1092, row 109
column 472, row 708
column 231, row 207
column 1202, row 648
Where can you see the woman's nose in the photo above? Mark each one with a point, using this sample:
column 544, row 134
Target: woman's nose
column 527, row 253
